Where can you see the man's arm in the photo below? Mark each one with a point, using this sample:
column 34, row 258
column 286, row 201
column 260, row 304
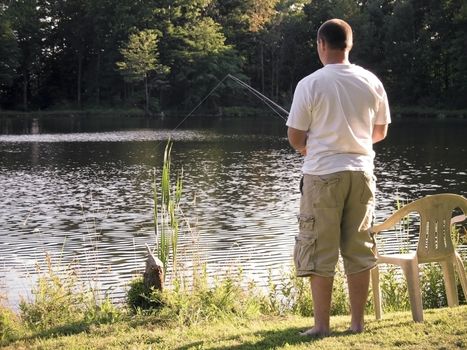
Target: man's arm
column 379, row 132
column 297, row 139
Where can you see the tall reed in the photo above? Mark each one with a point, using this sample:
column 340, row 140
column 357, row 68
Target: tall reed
column 166, row 212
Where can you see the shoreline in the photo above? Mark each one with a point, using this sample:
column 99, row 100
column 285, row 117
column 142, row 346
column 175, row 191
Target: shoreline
column 398, row 113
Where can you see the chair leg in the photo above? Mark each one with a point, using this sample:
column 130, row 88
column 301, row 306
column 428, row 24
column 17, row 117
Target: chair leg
column 411, row 272
column 376, row 292
column 450, row 282
column 461, row 272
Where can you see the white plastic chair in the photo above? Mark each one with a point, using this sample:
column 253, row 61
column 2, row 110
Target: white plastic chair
column 434, row 245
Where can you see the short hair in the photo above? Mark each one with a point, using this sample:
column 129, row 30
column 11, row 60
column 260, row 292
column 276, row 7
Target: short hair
column 337, row 34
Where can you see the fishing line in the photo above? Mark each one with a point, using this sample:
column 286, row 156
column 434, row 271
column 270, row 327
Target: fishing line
column 267, row 101
column 201, row 102
column 270, row 103
column 264, row 101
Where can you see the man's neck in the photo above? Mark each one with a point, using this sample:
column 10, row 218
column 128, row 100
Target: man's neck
column 337, row 62
column 337, row 58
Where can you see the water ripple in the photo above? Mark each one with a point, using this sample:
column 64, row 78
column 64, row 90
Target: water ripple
column 86, row 199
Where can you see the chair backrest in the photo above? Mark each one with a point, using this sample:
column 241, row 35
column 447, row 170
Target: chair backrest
column 435, row 212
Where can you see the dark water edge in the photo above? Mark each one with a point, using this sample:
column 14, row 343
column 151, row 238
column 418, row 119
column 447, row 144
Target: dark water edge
column 227, row 112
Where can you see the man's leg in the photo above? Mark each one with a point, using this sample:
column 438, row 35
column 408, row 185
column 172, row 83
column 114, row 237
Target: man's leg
column 358, row 294
column 321, row 291
column 356, row 244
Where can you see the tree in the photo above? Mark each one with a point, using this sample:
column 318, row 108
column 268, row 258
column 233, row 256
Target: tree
column 459, row 53
column 25, row 17
column 244, row 25
column 111, row 23
column 297, row 55
column 403, row 53
column 195, row 48
column 8, row 54
column 64, row 52
column 201, row 60
column 140, row 58
column 445, row 24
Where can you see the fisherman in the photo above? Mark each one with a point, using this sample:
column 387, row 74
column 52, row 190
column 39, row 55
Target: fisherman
column 337, row 114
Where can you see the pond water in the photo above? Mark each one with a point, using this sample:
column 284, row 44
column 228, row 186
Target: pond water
column 80, row 191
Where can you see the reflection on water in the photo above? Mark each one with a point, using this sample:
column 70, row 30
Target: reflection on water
column 86, row 196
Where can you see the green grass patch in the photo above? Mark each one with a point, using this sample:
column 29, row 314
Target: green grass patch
column 64, row 315
column 443, row 329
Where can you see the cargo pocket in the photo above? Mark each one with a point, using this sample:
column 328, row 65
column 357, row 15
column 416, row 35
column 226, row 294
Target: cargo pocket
column 368, row 189
column 305, row 245
column 367, row 198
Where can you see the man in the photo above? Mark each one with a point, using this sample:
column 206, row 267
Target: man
column 337, row 113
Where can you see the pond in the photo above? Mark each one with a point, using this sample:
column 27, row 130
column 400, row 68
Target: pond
column 80, row 191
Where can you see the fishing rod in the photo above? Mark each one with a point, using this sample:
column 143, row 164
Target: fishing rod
column 270, row 103
column 261, row 96
column 201, row 102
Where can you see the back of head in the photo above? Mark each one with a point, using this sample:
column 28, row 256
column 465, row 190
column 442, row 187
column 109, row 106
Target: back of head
column 337, row 34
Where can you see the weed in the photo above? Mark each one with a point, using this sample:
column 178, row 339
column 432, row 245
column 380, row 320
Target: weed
column 296, row 294
column 10, row 325
column 60, row 299
column 139, row 297
column 223, row 299
column 432, row 284
column 394, row 290
column 340, row 303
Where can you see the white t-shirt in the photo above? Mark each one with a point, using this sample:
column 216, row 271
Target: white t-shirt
column 338, row 105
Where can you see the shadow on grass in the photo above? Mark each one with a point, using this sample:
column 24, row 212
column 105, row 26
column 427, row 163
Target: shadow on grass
column 270, row 339
column 65, row 330
column 277, row 338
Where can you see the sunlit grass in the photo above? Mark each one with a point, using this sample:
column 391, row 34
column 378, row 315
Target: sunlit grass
column 442, row 329
column 64, row 314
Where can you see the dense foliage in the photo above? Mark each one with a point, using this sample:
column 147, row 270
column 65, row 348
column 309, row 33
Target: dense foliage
column 167, row 54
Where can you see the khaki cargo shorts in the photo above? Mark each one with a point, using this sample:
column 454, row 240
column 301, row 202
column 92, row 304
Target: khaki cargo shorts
column 336, row 212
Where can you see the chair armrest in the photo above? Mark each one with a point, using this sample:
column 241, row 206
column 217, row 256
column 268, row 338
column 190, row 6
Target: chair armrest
column 394, row 218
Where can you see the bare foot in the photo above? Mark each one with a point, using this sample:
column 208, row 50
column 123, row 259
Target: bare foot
column 355, row 330
column 315, row 333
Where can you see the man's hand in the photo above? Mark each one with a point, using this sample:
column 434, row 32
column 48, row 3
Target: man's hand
column 297, row 139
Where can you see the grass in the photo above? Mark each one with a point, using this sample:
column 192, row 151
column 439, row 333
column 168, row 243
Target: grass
column 223, row 315
column 444, row 328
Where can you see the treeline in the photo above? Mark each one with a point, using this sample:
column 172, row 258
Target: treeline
column 168, row 54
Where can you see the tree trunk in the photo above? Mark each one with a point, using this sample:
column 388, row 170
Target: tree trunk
column 277, row 80
column 98, row 80
column 446, row 73
column 262, row 67
column 25, row 91
column 272, row 74
column 153, row 276
column 80, row 68
column 146, row 92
